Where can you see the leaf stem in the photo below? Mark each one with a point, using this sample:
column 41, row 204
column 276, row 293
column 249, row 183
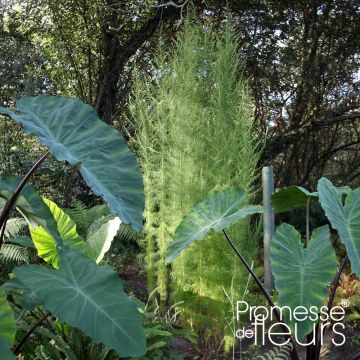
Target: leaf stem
column 294, row 354
column 33, row 328
column 331, row 301
column 307, row 222
column 11, row 202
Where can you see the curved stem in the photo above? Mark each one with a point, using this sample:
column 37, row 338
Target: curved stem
column 2, row 233
column 33, row 328
column 10, row 204
column 331, row 301
column 294, row 354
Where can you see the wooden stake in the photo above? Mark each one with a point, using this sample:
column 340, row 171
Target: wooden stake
column 269, row 223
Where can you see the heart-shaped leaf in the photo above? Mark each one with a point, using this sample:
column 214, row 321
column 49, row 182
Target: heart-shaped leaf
column 344, row 218
column 217, row 212
column 89, row 297
column 289, row 198
column 293, row 197
column 302, row 274
column 7, row 327
column 73, row 132
column 44, row 242
column 30, row 205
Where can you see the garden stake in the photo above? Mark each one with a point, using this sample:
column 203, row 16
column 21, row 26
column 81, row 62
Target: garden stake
column 268, row 223
column 294, row 355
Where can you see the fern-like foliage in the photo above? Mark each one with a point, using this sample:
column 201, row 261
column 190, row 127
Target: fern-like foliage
column 14, row 226
column 17, row 246
column 87, row 220
column 11, row 253
column 83, row 216
column 194, row 134
column 277, row 353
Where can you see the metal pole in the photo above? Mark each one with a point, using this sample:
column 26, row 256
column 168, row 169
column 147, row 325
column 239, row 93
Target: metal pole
column 269, row 223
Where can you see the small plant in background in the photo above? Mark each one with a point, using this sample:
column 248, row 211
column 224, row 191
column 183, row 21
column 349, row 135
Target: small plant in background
column 278, row 353
column 349, row 290
column 18, row 247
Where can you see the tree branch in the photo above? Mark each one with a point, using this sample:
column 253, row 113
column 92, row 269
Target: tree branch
column 116, row 57
column 283, row 141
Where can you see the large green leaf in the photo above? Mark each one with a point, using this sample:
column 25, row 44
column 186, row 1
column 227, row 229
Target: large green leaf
column 344, row 218
column 290, row 198
column 90, row 297
column 293, row 197
column 5, row 351
column 7, row 327
column 302, row 274
column 30, row 205
column 217, row 212
column 73, row 132
column 22, row 294
column 99, row 241
column 44, row 242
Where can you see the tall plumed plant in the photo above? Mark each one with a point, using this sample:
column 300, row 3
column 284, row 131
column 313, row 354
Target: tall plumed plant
column 194, row 134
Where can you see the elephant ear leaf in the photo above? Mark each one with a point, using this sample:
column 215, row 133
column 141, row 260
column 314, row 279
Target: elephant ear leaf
column 289, row 198
column 302, row 274
column 30, row 204
column 90, row 297
column 7, row 328
column 217, row 212
column 344, row 218
column 73, row 132
column 6, row 353
column 293, row 197
column 45, row 244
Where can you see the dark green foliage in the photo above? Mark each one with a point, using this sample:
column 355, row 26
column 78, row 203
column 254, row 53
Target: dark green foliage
column 345, row 218
column 302, row 274
column 106, row 163
column 91, row 300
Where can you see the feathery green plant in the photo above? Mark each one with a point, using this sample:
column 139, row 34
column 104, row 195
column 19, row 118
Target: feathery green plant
column 277, row 353
column 88, row 219
column 194, row 135
column 16, row 248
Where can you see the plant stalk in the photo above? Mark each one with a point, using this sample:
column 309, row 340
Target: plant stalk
column 330, row 303
column 12, row 201
column 307, row 222
column 33, row 328
column 294, row 354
